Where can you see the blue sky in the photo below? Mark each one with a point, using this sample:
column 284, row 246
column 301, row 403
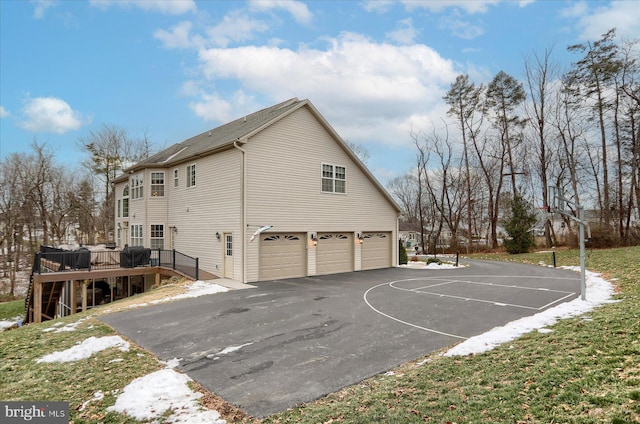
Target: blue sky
column 172, row 69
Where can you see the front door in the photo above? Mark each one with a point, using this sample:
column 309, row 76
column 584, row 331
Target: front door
column 228, row 255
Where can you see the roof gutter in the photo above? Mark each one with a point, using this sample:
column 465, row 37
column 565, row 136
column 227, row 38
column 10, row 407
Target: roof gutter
column 243, row 203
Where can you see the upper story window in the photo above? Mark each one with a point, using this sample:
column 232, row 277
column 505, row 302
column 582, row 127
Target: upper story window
column 157, row 184
column 175, row 178
column 137, row 186
column 191, row 175
column 334, row 178
column 125, row 201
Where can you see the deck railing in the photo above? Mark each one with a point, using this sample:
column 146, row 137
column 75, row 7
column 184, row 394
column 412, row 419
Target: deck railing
column 50, row 259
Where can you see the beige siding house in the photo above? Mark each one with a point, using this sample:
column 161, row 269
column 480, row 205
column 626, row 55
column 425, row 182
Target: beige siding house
column 282, row 170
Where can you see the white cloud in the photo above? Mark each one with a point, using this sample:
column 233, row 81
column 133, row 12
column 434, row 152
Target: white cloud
column 179, row 37
column 41, row 7
column 169, row 7
column 623, row 15
column 368, row 91
column 215, row 108
column 297, row 9
column 235, row 27
column 405, row 34
column 459, row 27
column 472, row 7
column 4, row 112
column 49, row 115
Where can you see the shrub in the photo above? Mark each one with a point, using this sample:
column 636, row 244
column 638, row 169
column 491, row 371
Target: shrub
column 402, row 253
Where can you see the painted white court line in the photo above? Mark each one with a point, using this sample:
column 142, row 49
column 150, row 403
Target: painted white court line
column 447, row 281
column 431, row 330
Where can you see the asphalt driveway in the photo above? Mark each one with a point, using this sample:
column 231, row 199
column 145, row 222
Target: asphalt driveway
column 291, row 341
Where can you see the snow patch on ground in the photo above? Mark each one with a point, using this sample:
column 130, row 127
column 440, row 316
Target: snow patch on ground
column 59, row 328
column 149, row 397
column 195, row 289
column 432, row 265
column 84, row 350
column 598, row 292
column 15, row 322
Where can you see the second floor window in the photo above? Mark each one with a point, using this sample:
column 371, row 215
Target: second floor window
column 334, row 178
column 175, row 178
column 157, row 184
column 191, row 175
column 125, row 201
column 137, row 186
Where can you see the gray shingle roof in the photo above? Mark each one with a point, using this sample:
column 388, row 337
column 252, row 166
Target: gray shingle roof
column 218, row 137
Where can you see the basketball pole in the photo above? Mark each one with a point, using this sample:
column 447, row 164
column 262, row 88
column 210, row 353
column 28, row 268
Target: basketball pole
column 558, row 202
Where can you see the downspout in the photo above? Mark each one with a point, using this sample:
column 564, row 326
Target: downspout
column 243, row 214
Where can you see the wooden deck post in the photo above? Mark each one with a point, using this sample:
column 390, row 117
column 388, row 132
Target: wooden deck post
column 37, row 302
column 74, row 297
column 84, row 295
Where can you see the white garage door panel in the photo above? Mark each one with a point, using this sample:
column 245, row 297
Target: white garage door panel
column 282, row 256
column 376, row 250
column 334, row 253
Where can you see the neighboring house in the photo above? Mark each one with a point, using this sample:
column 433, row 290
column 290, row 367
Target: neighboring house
column 283, row 167
column 410, row 234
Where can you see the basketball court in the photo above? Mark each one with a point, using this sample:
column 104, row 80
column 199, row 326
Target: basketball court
column 285, row 342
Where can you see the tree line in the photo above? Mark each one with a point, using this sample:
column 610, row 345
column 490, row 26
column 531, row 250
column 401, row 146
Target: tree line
column 44, row 202
column 509, row 141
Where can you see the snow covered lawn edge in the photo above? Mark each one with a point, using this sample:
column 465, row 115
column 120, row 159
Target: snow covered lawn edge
column 599, row 292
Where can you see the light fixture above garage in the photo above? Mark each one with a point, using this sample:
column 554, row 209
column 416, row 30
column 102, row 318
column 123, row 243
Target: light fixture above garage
column 314, row 239
column 360, row 238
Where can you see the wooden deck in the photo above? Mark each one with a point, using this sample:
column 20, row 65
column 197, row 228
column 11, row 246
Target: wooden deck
column 46, row 288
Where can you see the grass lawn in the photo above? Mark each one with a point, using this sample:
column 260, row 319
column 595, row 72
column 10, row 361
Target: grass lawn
column 12, row 309
column 587, row 370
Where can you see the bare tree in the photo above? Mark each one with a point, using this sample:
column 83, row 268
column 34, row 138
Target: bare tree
column 540, row 73
column 504, row 96
column 591, row 76
column 464, row 100
column 404, row 190
column 111, row 150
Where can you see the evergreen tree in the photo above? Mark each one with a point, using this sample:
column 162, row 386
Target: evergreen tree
column 519, row 226
column 402, row 253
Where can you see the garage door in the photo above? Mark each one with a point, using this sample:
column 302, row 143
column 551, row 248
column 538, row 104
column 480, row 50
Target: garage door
column 334, row 253
column 282, row 256
column 376, row 250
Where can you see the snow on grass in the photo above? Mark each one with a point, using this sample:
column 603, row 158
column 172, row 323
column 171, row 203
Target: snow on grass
column 85, row 349
column 149, row 397
column 15, row 322
column 196, row 289
column 59, row 328
column 598, row 292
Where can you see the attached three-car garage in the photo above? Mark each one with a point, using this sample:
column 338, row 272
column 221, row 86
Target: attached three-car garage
column 286, row 255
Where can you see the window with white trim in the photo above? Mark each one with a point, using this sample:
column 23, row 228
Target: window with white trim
column 119, row 208
column 334, row 178
column 125, row 201
column 137, row 186
column 175, row 178
column 136, row 235
column 156, row 236
column 191, row 175
column 157, row 184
